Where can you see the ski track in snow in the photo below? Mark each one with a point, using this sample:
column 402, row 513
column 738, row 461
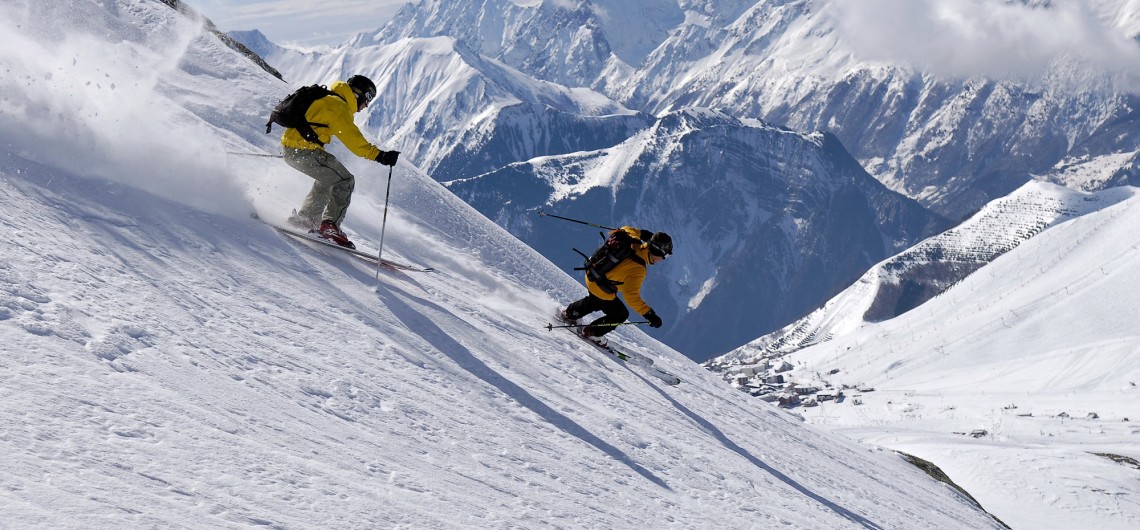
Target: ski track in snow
column 167, row 367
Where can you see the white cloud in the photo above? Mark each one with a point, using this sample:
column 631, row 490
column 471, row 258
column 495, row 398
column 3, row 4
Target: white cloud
column 992, row 38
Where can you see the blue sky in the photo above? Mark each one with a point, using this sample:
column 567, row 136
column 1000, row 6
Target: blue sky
column 301, row 22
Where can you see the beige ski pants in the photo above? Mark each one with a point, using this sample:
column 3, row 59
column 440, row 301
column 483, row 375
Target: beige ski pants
column 331, row 194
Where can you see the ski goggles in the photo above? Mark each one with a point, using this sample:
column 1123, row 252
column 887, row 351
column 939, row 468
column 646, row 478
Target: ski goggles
column 365, row 97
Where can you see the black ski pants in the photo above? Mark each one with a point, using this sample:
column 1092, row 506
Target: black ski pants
column 615, row 313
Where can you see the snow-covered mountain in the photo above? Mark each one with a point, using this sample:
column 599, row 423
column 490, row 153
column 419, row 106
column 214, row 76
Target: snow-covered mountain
column 254, row 55
column 169, row 362
column 563, row 42
column 1020, row 378
column 926, row 124
column 757, row 213
column 954, row 142
column 911, row 278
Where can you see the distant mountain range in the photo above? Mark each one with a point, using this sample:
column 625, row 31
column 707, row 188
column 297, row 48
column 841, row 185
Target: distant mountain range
column 953, row 144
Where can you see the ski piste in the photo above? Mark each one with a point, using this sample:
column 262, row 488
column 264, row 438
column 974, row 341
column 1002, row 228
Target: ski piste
column 312, row 237
column 631, row 358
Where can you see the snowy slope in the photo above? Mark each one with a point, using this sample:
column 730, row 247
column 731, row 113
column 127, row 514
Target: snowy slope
column 1020, row 381
column 168, row 362
column 909, row 279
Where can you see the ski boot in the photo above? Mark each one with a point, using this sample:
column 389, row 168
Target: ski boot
column 329, row 230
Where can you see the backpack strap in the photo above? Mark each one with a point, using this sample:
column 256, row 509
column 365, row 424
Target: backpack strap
column 299, row 123
column 309, row 132
column 599, row 278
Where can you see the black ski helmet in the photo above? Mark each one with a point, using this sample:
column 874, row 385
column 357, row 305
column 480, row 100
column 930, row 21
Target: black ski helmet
column 364, row 89
column 660, row 244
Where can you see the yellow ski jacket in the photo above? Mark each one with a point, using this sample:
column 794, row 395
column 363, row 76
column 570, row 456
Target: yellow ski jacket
column 630, row 274
column 335, row 118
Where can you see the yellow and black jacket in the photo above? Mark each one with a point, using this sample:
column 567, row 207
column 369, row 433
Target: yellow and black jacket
column 332, row 116
column 628, row 275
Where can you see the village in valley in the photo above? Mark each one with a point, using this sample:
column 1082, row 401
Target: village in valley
column 775, row 380
column 780, row 382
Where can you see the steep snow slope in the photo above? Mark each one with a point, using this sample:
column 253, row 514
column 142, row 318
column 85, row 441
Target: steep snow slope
column 167, row 362
column 1020, row 381
column 1039, row 350
column 907, row 280
column 167, row 367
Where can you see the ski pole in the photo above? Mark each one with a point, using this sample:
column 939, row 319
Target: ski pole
column 542, row 213
column 552, row 326
column 384, row 223
column 266, row 155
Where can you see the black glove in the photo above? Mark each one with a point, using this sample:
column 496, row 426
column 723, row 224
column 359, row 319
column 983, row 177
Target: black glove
column 654, row 320
column 388, row 158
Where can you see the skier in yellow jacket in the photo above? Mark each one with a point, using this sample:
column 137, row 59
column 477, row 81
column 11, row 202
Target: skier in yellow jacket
column 327, row 202
column 626, row 278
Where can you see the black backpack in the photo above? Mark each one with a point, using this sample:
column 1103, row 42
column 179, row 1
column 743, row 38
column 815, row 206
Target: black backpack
column 290, row 113
column 617, row 248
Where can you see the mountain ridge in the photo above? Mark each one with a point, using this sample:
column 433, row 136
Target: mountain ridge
column 970, row 138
